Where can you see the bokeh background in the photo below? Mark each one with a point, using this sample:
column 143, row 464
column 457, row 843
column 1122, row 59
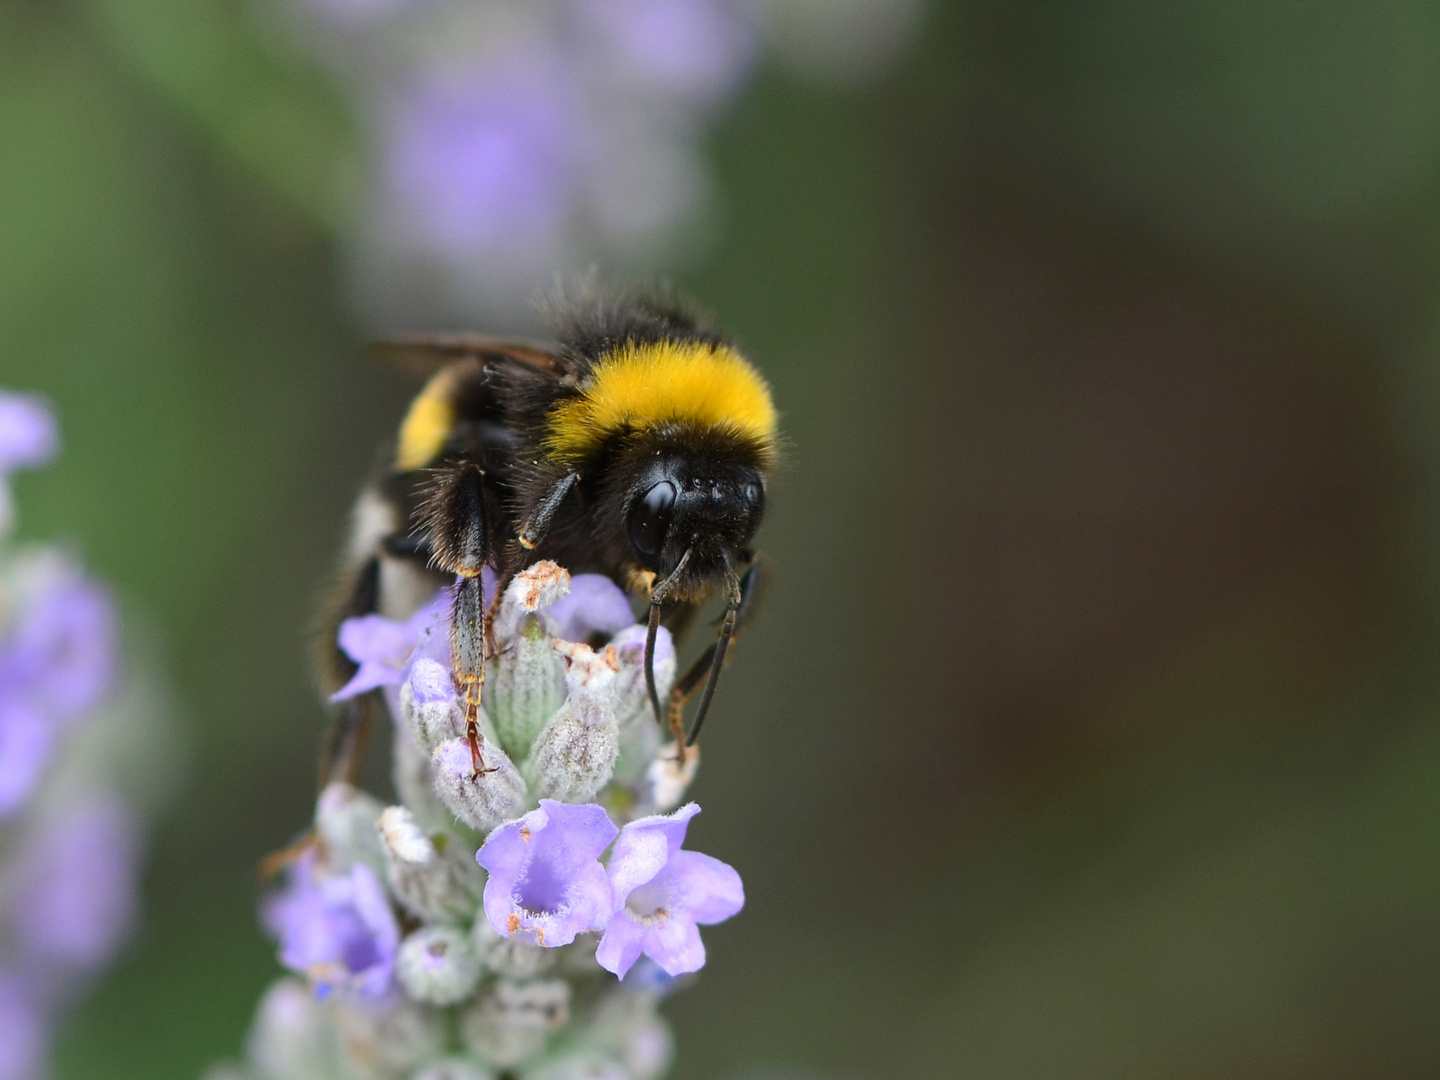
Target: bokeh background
column 1092, row 727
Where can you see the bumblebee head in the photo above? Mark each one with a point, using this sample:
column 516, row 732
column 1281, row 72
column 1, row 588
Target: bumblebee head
column 695, row 503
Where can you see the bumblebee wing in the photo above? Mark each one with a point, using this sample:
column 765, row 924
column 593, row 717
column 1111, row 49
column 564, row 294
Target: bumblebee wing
column 425, row 354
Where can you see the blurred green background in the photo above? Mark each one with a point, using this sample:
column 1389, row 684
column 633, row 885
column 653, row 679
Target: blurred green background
column 1093, row 725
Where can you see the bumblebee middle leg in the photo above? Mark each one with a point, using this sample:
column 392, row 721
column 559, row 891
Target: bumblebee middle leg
column 343, row 751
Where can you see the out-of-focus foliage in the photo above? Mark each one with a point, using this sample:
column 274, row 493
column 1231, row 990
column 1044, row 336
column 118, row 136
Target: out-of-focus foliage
column 1099, row 668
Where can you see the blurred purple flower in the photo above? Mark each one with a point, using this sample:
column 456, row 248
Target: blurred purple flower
column 22, row 1031
column 340, row 931
column 56, row 662
column 28, row 435
column 700, row 48
column 77, row 895
column 594, row 605
column 545, row 874
column 662, row 893
column 488, row 163
column 382, row 646
column 27, row 740
column 61, row 652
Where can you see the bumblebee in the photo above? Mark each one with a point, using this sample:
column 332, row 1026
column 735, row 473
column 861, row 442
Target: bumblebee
column 638, row 444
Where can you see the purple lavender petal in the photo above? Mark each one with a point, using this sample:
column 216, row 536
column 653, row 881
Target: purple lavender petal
column 699, row 48
column 622, row 945
column 28, row 433
column 77, row 897
column 22, row 1031
column 383, row 647
column 545, row 875
column 27, row 740
column 339, row 931
column 63, row 648
column 488, row 163
column 645, row 847
column 710, row 890
column 661, row 893
column 594, row 605
column 676, row 946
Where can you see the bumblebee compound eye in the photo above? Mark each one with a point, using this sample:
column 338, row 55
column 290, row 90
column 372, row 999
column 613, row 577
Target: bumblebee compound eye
column 650, row 518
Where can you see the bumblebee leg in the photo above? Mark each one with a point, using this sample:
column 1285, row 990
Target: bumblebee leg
column 456, row 522
column 343, row 750
column 533, row 531
column 407, row 546
column 708, row 665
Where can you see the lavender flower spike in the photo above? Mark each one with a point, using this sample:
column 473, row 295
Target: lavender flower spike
column 545, row 875
column 662, row 893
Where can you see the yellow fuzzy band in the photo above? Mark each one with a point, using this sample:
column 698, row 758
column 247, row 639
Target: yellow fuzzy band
column 427, row 425
column 637, row 387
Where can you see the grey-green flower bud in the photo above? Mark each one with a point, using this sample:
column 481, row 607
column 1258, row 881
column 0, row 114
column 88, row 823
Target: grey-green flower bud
column 481, row 799
column 387, row 1040
column 665, row 782
column 527, row 687
column 345, row 819
column 415, row 782
column 574, row 757
column 512, row 1021
column 627, row 1026
column 294, row 1035
column 438, row 965
column 435, row 885
column 431, row 718
column 577, row 1065
column 513, row 957
column 455, row 1068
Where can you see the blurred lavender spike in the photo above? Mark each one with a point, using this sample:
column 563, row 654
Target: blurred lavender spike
column 79, row 745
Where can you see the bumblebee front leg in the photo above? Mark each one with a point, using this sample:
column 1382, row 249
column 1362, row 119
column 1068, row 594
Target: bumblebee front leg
column 455, row 519
column 709, row 664
column 533, row 530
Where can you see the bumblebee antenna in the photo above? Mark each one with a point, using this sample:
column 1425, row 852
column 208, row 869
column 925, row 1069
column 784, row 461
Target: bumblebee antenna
column 657, row 597
column 722, row 643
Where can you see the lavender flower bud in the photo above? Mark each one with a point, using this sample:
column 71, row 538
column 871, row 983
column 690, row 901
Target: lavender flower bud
column 627, row 1027
column 574, row 757
column 530, row 592
column 294, row 1034
column 438, row 965
column 577, row 1065
column 639, row 734
column 430, row 883
column 414, row 778
column 666, row 781
column 385, row 1041
column 481, row 800
column 514, row 957
column 455, row 1068
column 345, row 819
column 428, row 705
column 527, row 687
column 512, row 1022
